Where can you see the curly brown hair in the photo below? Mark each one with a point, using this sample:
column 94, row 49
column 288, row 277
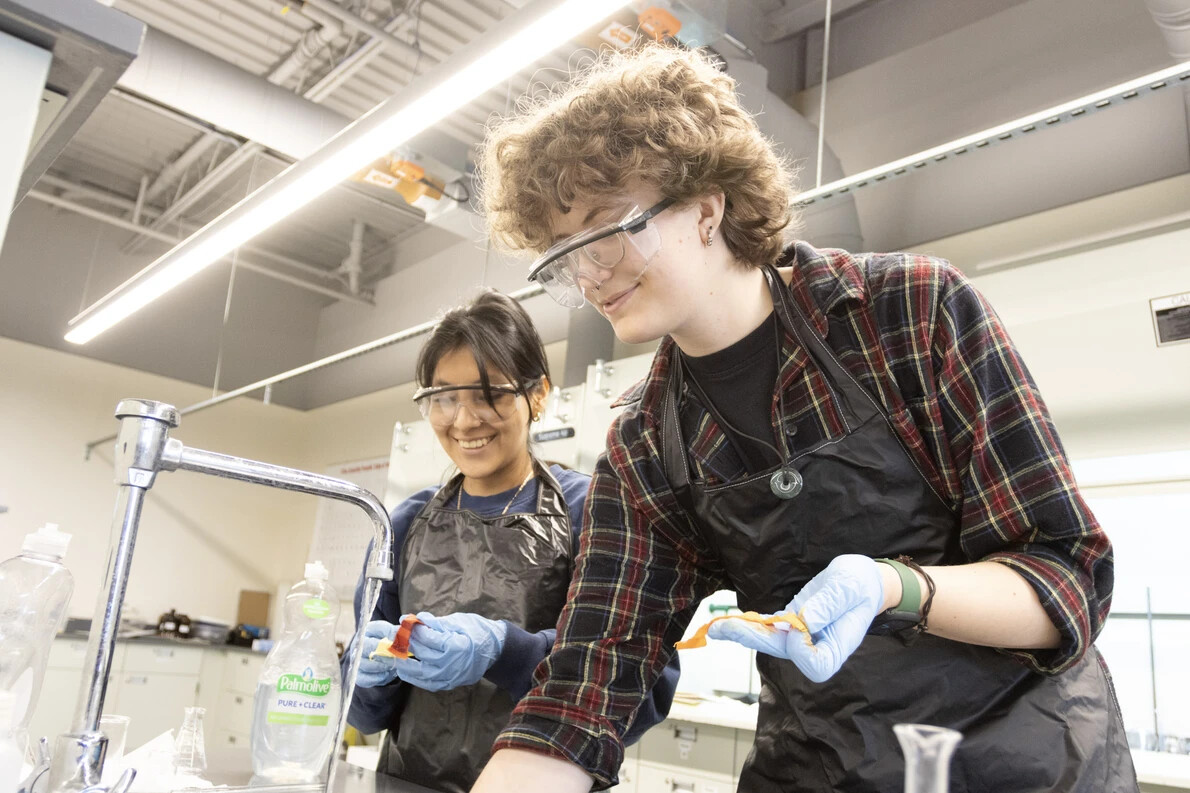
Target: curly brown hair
column 661, row 116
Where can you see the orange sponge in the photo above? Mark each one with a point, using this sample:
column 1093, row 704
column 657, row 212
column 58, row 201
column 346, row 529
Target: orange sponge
column 398, row 647
column 699, row 639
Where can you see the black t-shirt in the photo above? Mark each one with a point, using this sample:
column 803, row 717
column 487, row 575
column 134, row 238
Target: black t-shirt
column 739, row 381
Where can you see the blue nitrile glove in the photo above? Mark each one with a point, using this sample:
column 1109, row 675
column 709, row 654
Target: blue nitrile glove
column 837, row 605
column 451, row 651
column 382, row 670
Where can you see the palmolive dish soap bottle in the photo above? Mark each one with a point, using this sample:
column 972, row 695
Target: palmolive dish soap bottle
column 297, row 697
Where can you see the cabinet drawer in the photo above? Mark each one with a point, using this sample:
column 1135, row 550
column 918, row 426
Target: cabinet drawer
column 699, row 747
column 242, row 672
column 628, row 773
column 743, row 748
column 162, row 658
column 235, row 711
column 70, row 654
column 154, row 702
column 671, row 779
column 231, row 739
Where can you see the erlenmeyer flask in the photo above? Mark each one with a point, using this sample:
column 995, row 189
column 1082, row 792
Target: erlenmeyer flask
column 927, row 756
column 190, row 752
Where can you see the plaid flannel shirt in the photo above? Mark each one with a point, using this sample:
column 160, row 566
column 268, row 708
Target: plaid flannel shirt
column 919, row 337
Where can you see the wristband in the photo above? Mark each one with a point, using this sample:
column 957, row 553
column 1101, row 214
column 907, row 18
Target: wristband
column 909, row 607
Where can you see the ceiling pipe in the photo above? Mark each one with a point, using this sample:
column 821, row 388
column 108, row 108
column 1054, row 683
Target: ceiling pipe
column 178, row 166
column 1173, row 18
column 313, row 41
column 323, row 8
column 308, row 47
column 352, row 265
column 241, row 262
column 198, row 84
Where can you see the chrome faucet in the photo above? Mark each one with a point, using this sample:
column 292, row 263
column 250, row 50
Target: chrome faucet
column 144, row 448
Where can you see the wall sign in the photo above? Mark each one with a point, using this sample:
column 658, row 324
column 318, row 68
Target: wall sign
column 1171, row 318
column 553, row 435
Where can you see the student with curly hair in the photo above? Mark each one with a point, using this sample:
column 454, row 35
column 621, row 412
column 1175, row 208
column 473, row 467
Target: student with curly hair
column 851, row 438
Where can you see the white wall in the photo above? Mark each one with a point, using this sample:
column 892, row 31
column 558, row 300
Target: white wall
column 1082, row 321
column 201, row 539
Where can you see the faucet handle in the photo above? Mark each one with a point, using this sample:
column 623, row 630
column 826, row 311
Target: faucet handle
column 38, row 778
column 122, row 784
column 41, row 752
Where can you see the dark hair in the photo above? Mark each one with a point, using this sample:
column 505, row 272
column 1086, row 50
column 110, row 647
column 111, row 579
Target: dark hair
column 499, row 334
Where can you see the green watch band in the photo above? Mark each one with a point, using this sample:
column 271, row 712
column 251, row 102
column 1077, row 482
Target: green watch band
column 910, row 606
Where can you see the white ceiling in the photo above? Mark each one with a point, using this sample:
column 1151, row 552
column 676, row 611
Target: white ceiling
column 904, row 75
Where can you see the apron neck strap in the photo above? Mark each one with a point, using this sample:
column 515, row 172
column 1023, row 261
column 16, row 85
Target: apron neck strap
column 854, row 402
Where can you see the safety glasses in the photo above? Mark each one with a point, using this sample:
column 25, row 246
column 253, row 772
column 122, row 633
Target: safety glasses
column 440, row 405
column 585, row 260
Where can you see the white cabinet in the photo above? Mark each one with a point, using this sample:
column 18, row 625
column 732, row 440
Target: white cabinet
column 153, row 687
column 680, row 756
column 229, row 691
column 60, row 689
column 684, row 744
column 153, row 703
column 153, row 683
column 629, row 770
column 668, row 779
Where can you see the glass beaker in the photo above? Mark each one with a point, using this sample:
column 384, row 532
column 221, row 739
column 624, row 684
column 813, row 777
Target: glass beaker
column 190, row 752
column 927, row 756
column 115, row 729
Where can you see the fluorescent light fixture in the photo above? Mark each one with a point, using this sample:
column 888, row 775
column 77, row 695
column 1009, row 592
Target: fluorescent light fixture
column 1133, row 469
column 1173, row 76
column 501, row 52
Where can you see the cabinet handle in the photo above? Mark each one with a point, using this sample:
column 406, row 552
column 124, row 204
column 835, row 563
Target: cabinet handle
column 244, row 661
column 231, row 739
column 137, row 680
column 239, row 700
column 680, row 786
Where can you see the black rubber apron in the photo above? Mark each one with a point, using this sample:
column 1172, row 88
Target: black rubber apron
column 514, row 567
column 1022, row 731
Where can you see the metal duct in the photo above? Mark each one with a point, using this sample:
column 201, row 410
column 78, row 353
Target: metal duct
column 830, row 224
column 177, row 75
column 180, row 76
column 1173, row 18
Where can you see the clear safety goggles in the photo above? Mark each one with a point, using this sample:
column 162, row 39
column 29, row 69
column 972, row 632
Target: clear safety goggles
column 585, row 260
column 440, row 405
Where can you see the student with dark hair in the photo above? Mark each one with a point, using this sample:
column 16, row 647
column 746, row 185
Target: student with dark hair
column 484, row 561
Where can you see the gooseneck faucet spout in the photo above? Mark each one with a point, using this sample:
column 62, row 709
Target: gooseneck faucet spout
column 143, row 449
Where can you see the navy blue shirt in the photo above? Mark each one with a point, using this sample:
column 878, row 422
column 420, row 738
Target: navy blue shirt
column 379, row 708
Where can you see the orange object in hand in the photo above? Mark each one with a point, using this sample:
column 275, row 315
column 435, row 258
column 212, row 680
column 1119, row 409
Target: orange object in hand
column 699, row 639
column 398, row 646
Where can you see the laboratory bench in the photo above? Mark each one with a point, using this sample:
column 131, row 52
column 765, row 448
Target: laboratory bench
column 701, row 748
column 233, row 767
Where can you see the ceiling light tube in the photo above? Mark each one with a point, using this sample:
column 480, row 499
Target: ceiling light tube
column 1171, row 77
column 498, row 54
